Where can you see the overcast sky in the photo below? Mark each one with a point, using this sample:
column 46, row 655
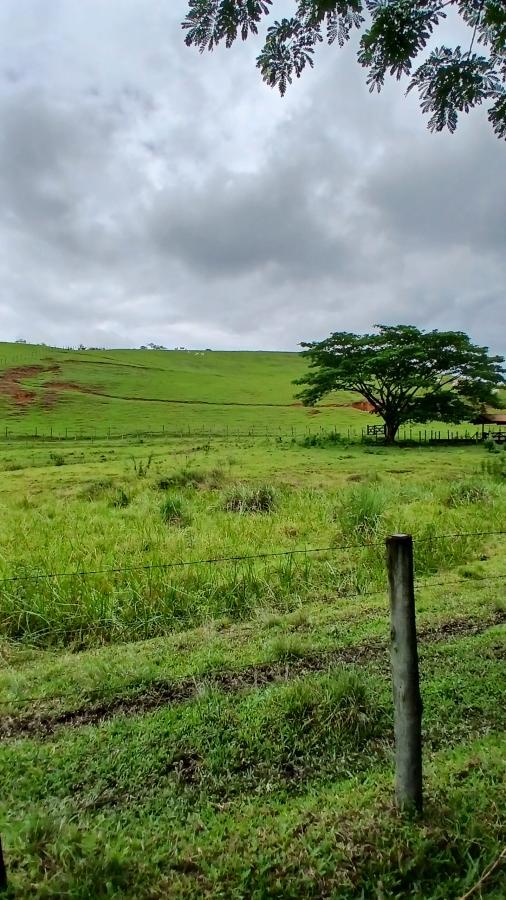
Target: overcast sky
column 148, row 193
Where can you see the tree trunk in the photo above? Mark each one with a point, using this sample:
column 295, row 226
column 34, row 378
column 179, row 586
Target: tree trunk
column 391, row 429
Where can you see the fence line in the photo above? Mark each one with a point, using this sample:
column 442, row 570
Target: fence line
column 404, row 669
column 181, row 563
column 349, row 434
column 240, row 558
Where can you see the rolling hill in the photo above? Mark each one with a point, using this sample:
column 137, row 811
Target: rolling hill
column 43, row 388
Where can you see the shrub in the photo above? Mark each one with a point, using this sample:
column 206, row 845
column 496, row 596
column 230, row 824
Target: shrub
column 323, row 709
column 96, row 490
column 173, row 512
column 185, row 477
column 323, row 439
column 142, row 467
column 244, row 499
column 57, row 459
column 495, row 468
column 11, row 466
column 298, row 618
column 491, row 445
column 286, row 647
column 215, row 478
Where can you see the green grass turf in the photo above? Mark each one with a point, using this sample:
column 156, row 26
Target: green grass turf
column 277, row 790
column 140, row 506
column 225, row 730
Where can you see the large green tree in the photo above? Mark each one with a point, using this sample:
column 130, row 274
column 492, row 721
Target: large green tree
column 407, row 375
column 395, row 34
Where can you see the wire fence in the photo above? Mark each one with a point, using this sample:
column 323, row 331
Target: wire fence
column 331, row 433
column 419, row 583
column 296, row 551
column 176, row 602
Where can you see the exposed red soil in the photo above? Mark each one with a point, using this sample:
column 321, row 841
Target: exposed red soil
column 11, row 383
column 364, row 406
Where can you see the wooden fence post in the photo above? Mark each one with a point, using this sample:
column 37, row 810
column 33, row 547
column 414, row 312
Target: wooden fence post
column 405, row 675
column 3, row 870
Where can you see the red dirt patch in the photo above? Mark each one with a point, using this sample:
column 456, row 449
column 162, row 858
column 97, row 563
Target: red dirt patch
column 11, row 386
column 363, row 406
column 11, row 383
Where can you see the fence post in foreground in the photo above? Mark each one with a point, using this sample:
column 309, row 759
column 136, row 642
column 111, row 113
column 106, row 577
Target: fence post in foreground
column 3, row 871
column 405, row 675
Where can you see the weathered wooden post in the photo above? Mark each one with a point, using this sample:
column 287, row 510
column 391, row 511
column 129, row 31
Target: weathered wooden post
column 405, row 674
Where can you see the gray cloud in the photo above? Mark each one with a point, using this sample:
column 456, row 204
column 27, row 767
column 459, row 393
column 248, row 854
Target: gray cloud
column 148, row 193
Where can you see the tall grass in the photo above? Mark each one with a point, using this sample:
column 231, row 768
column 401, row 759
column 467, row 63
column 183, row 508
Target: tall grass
column 127, row 529
column 243, row 499
column 361, row 510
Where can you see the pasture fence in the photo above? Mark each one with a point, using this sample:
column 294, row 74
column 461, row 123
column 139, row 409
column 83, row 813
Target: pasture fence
column 403, row 649
column 294, row 434
column 296, row 551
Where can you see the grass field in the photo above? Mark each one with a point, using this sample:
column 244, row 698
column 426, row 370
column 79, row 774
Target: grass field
column 224, row 729
column 127, row 391
column 48, row 391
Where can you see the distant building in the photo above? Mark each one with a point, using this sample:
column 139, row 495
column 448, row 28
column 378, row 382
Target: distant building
column 495, row 421
column 490, row 418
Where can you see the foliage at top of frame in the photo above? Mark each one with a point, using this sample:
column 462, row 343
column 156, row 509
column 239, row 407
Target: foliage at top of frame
column 450, row 80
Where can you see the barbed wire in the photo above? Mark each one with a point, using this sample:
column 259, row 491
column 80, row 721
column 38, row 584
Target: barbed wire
column 189, row 562
column 363, row 545
column 457, row 534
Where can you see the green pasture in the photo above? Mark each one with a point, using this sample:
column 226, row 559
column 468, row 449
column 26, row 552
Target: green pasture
column 117, row 392
column 150, row 390
column 131, row 512
column 176, row 727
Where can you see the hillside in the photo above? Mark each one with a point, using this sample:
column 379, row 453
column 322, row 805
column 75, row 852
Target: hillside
column 129, row 390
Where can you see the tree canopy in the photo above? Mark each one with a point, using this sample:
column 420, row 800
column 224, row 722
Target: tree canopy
column 394, row 34
column 407, row 375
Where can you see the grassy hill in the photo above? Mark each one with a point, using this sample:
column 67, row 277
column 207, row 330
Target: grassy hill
column 129, row 390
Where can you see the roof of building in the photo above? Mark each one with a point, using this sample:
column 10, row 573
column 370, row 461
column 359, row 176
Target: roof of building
column 490, row 418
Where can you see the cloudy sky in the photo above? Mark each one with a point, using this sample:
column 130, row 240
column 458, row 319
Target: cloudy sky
column 148, row 193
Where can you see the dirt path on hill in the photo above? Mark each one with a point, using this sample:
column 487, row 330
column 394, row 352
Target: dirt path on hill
column 85, row 389
column 167, row 693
